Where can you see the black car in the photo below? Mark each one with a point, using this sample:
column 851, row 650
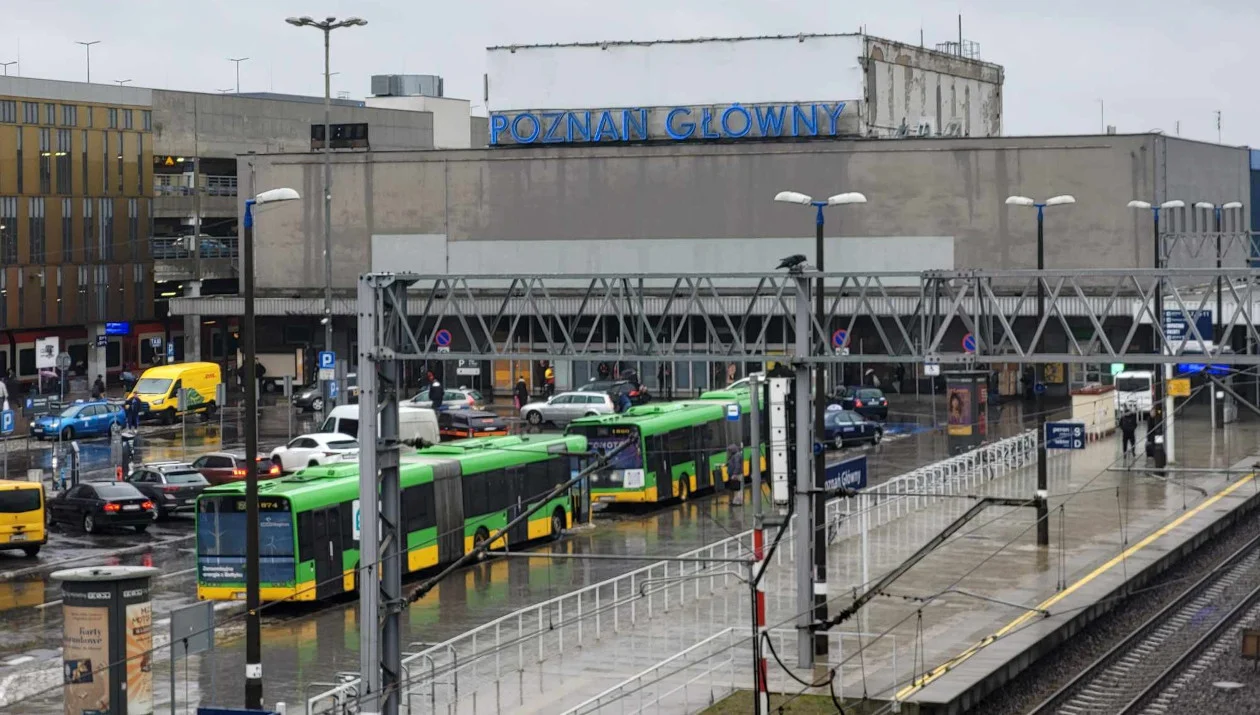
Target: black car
column 866, row 401
column 310, row 398
column 638, row 394
column 845, row 428
column 172, row 487
column 462, row 424
column 96, row 505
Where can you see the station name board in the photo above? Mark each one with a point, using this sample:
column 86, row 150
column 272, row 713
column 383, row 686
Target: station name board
column 640, row 124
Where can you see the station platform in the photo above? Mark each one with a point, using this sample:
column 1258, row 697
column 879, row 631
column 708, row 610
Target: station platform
column 678, row 635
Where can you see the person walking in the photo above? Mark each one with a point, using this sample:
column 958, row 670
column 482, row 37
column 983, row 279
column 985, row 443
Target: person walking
column 1128, row 431
column 98, row 388
column 436, row 394
column 549, row 380
column 520, row 394
column 900, row 378
column 128, row 379
column 665, row 378
column 735, row 472
column 4, row 395
column 131, row 410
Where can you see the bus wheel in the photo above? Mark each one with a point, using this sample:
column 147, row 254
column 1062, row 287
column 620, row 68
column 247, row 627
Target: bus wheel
column 557, row 524
column 684, row 487
column 479, row 538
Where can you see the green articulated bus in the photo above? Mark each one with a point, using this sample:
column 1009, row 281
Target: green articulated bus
column 454, row 495
column 676, row 448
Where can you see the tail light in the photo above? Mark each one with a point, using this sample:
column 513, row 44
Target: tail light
column 112, row 507
column 238, row 472
column 275, row 469
column 330, row 454
column 146, row 504
column 857, row 403
column 170, row 489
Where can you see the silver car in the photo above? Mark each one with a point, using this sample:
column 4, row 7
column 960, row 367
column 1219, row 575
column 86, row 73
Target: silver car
column 566, row 407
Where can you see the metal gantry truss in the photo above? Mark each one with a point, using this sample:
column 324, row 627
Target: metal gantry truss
column 1090, row 316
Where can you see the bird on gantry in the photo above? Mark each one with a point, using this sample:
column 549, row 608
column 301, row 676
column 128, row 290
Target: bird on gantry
column 794, row 264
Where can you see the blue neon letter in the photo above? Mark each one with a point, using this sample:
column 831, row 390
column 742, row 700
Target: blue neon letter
column 834, row 115
column 606, row 127
column 736, row 111
column 770, row 120
column 498, row 124
column 516, row 128
column 583, row 127
column 632, row 129
column 799, row 119
column 552, row 121
column 686, row 128
column 706, row 120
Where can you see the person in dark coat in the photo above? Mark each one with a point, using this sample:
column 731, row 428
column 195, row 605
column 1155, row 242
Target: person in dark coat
column 436, row 393
column 520, row 394
column 623, row 401
column 98, row 388
column 1128, row 431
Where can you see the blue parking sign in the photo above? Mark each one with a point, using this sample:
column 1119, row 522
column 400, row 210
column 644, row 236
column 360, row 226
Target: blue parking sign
column 327, row 360
column 332, row 390
column 7, row 422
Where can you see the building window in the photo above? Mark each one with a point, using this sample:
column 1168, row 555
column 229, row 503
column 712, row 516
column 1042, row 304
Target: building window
column 50, row 114
column 8, row 111
column 35, row 218
column 90, row 253
column 83, row 293
column 121, row 189
column 100, row 283
column 146, row 116
column 67, row 232
column 8, row 230
column 88, row 111
column 70, row 115
column 83, row 159
column 60, row 316
column 105, row 161
column 21, row 294
column 133, row 226
column 4, row 295
column 138, row 275
column 30, row 112
column 20, row 173
column 139, row 163
column 64, row 138
column 127, row 119
column 45, row 161
column 106, row 216
column 113, row 118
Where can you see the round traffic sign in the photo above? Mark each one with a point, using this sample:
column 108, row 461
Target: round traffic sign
column 840, row 337
column 63, row 361
column 443, row 337
column 969, row 343
column 818, row 448
column 1039, row 388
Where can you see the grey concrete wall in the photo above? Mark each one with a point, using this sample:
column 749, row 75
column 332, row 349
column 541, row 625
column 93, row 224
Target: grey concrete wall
column 939, row 187
column 208, row 125
column 909, row 88
column 480, row 132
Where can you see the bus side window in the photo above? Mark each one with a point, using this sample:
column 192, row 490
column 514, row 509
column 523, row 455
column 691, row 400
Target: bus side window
column 475, row 503
column 347, row 524
column 306, row 537
column 657, row 459
column 678, row 445
column 538, row 480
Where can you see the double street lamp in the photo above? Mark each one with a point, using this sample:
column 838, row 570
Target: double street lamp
column 1043, row 479
column 820, row 646
column 327, row 25
column 253, row 620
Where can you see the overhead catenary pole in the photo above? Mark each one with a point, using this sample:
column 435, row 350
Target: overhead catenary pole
column 804, row 515
column 762, row 700
column 821, row 342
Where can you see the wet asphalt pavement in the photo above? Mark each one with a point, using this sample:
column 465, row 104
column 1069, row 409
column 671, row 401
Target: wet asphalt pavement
column 303, row 644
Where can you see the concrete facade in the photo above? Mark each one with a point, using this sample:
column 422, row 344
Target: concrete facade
column 677, row 208
column 452, row 128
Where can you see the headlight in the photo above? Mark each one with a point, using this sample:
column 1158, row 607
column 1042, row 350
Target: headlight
column 158, row 402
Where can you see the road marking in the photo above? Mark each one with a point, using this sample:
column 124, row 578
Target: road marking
column 1045, row 605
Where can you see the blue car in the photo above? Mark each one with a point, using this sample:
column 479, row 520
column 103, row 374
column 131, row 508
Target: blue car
column 844, row 427
column 82, row 419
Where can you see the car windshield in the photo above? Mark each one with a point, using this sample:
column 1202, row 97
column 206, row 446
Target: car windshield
column 343, row 444
column 115, row 491
column 152, row 386
column 71, row 411
column 1133, row 384
column 185, row 478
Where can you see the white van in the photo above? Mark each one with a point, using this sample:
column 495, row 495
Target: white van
column 413, row 422
column 1134, row 392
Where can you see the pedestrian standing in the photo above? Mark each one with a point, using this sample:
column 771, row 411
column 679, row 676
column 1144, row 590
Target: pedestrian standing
column 4, row 395
column 665, row 378
column 520, row 395
column 128, row 380
column 1128, row 431
column 735, row 472
column 98, row 388
column 623, row 401
column 549, row 380
column 436, row 393
column 900, row 378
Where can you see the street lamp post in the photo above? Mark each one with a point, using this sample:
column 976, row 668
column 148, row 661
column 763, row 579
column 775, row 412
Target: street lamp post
column 5, row 65
column 1043, row 478
column 1159, row 342
column 121, row 82
column 819, row 650
column 253, row 620
column 1218, row 323
column 238, row 61
column 88, row 46
column 327, row 26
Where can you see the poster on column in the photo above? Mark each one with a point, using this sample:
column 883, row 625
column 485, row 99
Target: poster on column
column 140, row 658
column 959, row 402
column 85, row 657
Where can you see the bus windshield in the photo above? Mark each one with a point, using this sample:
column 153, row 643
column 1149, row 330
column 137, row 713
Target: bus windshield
column 221, row 539
column 1133, row 384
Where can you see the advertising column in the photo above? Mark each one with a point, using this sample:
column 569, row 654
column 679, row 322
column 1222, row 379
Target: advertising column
column 966, row 407
column 107, row 640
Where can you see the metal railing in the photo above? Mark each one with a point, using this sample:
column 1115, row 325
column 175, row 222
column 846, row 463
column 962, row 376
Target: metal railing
column 458, row 670
column 177, row 185
column 180, row 247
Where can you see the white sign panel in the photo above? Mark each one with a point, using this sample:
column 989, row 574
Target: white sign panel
column 358, row 519
column 46, row 351
column 634, row 478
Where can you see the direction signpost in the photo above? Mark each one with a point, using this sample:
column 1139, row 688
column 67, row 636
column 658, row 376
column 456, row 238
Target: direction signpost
column 1065, row 435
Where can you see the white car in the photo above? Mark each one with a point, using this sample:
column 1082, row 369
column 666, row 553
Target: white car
column 312, row 450
column 562, row 409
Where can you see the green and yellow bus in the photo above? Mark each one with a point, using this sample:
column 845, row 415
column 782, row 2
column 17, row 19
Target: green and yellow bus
column 454, row 495
column 676, row 448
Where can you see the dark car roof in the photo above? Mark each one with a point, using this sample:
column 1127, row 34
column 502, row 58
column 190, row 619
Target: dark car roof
column 102, row 489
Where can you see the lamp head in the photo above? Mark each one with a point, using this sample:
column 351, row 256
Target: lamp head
column 1204, row 205
column 794, row 197
column 851, row 197
column 1232, row 205
column 1136, row 204
column 1174, row 204
column 1060, row 200
column 294, row 21
column 353, row 21
column 272, row 196
column 1019, row 201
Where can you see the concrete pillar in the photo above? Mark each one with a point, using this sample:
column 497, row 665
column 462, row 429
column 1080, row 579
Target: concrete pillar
column 192, row 325
column 96, row 355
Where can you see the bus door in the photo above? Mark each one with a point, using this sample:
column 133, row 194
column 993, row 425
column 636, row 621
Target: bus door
column 448, row 499
column 580, row 496
column 328, row 556
column 700, row 441
column 518, row 534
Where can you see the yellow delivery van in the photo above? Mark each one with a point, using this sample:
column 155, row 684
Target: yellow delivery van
column 22, row 516
column 158, row 389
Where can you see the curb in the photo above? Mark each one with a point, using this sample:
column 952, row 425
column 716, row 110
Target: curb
column 42, row 568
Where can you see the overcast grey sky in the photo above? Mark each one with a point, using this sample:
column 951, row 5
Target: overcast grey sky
column 1153, row 62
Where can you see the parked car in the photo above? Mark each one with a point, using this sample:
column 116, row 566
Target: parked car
column 453, row 398
column 96, row 505
column 867, row 401
column 462, row 424
column 82, row 419
column 844, row 428
column 171, row 486
column 568, row 406
column 638, row 393
column 312, row 450
column 22, row 517
column 310, row 398
column 223, row 467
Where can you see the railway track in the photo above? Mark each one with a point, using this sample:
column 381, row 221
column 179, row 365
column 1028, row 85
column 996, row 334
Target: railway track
column 1135, row 673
